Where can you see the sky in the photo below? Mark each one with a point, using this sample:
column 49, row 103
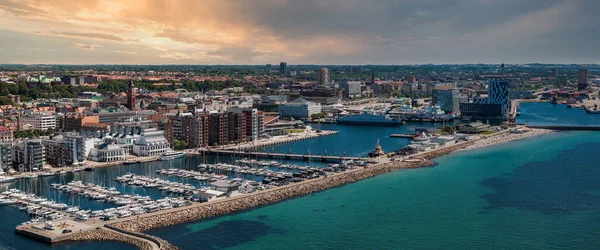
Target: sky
column 299, row 31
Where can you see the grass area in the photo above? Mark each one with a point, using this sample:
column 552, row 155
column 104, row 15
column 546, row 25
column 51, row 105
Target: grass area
column 294, row 131
column 488, row 132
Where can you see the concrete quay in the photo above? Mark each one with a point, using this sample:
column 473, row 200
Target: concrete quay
column 280, row 140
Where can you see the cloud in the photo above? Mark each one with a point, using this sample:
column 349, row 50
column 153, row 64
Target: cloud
column 125, row 52
column 309, row 31
column 86, row 46
column 88, row 35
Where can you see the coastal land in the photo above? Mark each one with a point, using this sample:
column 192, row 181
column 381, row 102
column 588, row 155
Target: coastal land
column 135, row 226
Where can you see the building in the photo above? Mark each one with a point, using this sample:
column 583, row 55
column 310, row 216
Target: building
column 282, row 68
column 40, row 120
column 498, row 94
column 131, row 96
column 582, row 79
column 448, row 100
column 108, row 152
column 481, row 110
column 75, row 121
column 300, row 109
column 67, row 149
column 254, row 126
column 323, row 95
column 6, row 157
column 6, row 134
column 218, row 129
column 194, row 130
column 29, row 155
column 134, row 121
column 351, row 88
column 323, row 76
column 473, row 128
column 408, row 88
column 152, row 142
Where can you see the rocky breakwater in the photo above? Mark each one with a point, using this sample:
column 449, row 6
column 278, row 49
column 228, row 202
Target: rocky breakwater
column 236, row 204
column 101, row 234
column 447, row 150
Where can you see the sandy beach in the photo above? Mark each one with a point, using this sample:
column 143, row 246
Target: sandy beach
column 505, row 136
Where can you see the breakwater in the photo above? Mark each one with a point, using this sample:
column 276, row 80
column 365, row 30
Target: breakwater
column 232, row 205
column 101, row 234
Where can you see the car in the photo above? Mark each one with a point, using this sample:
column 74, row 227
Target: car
column 66, row 231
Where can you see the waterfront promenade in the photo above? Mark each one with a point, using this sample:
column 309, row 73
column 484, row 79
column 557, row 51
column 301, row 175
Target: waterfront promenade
column 134, row 226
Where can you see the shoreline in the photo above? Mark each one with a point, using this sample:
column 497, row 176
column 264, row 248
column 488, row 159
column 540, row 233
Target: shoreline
column 135, row 227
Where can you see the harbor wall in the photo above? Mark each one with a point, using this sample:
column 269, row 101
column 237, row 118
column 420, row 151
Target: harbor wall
column 100, row 234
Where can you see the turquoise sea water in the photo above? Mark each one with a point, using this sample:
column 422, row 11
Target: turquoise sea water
column 538, row 193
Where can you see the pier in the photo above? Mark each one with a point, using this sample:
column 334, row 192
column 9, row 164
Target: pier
column 304, row 157
column 409, row 136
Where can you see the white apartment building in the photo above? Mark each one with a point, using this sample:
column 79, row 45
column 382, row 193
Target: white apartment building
column 40, row 121
column 300, row 109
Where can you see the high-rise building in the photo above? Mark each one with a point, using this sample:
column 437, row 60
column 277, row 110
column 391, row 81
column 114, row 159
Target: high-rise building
column 131, row 96
column 323, row 76
column 582, row 79
column 498, row 94
column 218, row 127
column 282, row 68
column 6, row 158
column 448, row 100
column 251, row 117
column 29, row 155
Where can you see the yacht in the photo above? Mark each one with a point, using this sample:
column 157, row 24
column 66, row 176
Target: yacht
column 367, row 118
column 81, row 216
column 30, row 176
column 171, row 156
column 49, row 225
column 47, row 174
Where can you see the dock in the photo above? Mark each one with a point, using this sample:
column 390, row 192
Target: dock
column 409, row 136
column 271, row 155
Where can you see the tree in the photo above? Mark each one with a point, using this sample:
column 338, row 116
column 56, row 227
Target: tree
column 318, row 116
column 179, row 144
column 448, row 130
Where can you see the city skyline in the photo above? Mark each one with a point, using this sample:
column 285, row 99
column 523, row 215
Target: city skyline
column 298, row 32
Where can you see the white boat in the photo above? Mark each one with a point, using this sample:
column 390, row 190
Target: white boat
column 171, row 156
column 49, row 225
column 47, row 174
column 124, row 213
column 81, row 216
column 30, row 176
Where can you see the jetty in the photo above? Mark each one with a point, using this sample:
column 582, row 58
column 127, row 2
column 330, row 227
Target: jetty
column 273, row 155
column 409, row 136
